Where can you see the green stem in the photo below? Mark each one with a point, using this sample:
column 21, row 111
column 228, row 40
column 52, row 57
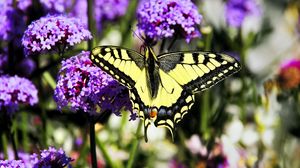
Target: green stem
column 244, row 87
column 127, row 22
column 204, row 111
column 134, row 146
column 4, row 145
column 93, row 145
column 44, row 128
column 24, row 128
column 49, row 79
column 105, row 154
column 14, row 145
column 90, row 22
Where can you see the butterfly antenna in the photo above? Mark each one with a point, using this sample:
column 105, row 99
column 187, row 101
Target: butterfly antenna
column 138, row 36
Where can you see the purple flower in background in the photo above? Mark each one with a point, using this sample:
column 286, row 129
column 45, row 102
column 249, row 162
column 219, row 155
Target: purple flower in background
column 56, row 6
column 238, row 10
column 26, row 67
column 15, row 90
column 12, row 164
column 12, row 22
column 23, row 4
column 3, row 61
column 24, row 159
column 83, row 86
column 174, row 163
column 51, row 157
column 52, row 32
column 164, row 18
column 79, row 11
column 109, row 9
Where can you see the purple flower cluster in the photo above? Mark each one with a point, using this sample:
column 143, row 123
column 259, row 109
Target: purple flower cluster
column 12, row 164
column 54, row 31
column 15, row 90
column 85, row 87
column 164, row 18
column 238, row 10
column 110, row 9
column 103, row 9
column 51, row 157
column 12, row 23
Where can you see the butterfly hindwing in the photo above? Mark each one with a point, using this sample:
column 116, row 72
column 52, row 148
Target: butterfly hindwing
column 196, row 71
column 123, row 64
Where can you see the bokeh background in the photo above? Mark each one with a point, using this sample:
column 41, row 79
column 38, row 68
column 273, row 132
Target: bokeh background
column 56, row 106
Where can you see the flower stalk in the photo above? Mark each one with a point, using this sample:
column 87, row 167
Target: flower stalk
column 134, row 147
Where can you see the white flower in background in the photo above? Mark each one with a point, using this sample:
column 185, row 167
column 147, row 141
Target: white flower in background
column 250, row 136
column 195, row 146
column 234, row 130
column 232, row 152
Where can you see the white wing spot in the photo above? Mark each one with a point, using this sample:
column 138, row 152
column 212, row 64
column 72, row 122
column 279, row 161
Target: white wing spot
column 111, row 72
column 224, row 62
column 212, row 55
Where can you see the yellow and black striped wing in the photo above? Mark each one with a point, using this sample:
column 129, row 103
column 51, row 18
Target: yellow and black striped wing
column 196, row 71
column 124, row 65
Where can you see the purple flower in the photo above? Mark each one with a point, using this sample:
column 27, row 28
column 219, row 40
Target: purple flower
column 24, row 4
column 103, row 10
column 80, row 11
column 24, row 160
column 54, row 32
column 15, row 90
column 174, row 163
column 12, row 23
column 83, row 86
column 109, row 9
column 12, row 164
column 3, row 61
column 164, row 18
column 51, row 157
column 238, row 10
column 26, row 67
column 56, row 6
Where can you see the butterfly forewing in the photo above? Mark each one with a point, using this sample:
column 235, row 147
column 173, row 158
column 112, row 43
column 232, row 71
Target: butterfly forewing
column 196, row 71
column 124, row 65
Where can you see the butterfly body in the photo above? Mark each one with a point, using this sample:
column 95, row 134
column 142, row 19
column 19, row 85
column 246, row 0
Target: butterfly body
column 162, row 87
